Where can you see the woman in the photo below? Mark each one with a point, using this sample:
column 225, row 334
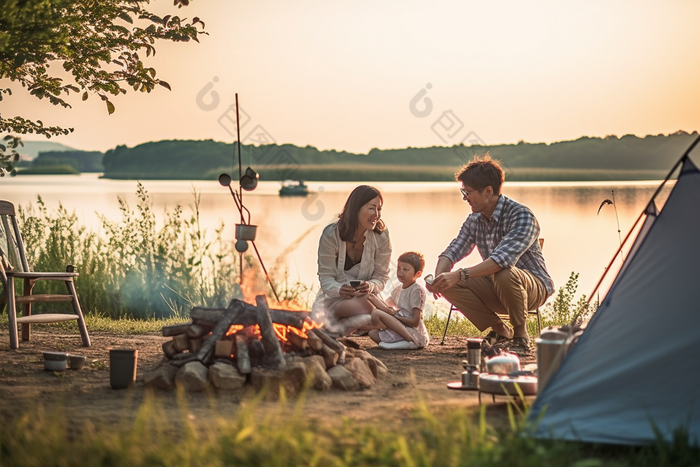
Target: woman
column 355, row 248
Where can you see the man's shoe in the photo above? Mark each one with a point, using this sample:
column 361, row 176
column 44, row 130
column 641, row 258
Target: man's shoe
column 519, row 345
column 493, row 338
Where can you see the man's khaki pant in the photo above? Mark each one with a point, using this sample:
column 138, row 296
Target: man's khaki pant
column 511, row 292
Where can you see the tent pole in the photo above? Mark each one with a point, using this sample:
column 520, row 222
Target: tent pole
column 673, row 169
column 617, row 252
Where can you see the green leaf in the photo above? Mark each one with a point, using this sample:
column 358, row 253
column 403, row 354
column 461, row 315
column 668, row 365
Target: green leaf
column 165, row 85
column 110, row 107
column 126, row 17
column 85, row 95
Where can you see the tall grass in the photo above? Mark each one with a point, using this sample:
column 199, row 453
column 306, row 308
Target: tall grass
column 294, row 436
column 134, row 269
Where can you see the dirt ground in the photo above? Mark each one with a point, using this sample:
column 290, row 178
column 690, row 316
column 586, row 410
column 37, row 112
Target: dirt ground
column 415, row 375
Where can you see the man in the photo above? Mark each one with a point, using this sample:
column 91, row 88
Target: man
column 512, row 279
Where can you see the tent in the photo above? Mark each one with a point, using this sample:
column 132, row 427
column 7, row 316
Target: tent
column 633, row 375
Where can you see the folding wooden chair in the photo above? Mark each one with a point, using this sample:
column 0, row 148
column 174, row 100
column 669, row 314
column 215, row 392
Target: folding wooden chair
column 13, row 265
column 535, row 312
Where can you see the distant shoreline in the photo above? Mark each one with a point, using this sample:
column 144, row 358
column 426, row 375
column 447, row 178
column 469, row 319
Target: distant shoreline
column 430, row 174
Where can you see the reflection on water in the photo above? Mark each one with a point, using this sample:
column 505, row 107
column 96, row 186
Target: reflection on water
column 421, row 216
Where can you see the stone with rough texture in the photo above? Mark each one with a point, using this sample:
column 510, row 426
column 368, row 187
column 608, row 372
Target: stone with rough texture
column 378, row 368
column 342, row 378
column 193, row 377
column 161, row 377
column 361, row 372
column 316, row 366
column 292, row 378
column 226, row 376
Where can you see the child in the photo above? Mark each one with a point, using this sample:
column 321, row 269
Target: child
column 399, row 319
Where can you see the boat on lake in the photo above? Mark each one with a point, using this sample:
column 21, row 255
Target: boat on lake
column 294, row 188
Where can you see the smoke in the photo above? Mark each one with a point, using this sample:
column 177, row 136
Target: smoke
column 281, row 261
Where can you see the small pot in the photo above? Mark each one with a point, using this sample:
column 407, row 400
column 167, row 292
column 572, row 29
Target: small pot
column 76, row 361
column 55, row 361
column 245, row 231
column 503, row 364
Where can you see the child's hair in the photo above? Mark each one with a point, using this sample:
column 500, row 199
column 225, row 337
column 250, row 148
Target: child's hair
column 414, row 259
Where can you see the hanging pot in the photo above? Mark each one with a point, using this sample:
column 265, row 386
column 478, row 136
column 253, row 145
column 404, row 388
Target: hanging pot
column 245, row 232
column 249, row 180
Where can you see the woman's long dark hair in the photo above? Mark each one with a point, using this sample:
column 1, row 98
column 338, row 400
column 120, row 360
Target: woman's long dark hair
column 347, row 225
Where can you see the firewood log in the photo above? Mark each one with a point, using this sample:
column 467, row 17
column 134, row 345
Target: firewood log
column 273, row 351
column 297, row 341
column 256, row 351
column 195, row 344
column 181, row 342
column 223, row 348
column 203, row 315
column 314, row 341
column 332, row 343
column 328, row 340
column 242, row 356
column 330, row 356
column 169, row 349
column 206, row 352
column 175, row 329
column 194, row 331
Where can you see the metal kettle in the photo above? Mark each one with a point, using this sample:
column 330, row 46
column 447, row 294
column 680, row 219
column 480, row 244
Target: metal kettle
column 503, row 364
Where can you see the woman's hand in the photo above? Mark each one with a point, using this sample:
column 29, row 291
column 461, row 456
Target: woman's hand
column 347, row 291
column 363, row 289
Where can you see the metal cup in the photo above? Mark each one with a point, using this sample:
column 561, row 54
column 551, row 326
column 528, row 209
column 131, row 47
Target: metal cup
column 550, row 353
column 474, row 351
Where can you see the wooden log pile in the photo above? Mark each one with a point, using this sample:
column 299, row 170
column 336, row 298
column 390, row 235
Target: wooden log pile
column 229, row 348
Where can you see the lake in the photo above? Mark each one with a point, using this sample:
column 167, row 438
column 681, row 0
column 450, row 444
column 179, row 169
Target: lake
column 422, row 217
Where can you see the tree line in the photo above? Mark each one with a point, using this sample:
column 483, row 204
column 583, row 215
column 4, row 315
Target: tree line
column 586, row 158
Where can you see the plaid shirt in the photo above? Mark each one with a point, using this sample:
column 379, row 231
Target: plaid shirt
column 509, row 238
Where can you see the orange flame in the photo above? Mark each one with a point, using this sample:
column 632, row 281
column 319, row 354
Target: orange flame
column 281, row 330
column 252, row 284
column 234, row 329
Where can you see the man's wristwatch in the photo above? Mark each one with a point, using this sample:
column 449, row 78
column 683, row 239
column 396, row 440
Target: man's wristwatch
column 463, row 276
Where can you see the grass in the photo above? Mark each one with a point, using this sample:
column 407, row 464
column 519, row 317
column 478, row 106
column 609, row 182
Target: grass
column 133, row 268
column 290, row 435
column 564, row 309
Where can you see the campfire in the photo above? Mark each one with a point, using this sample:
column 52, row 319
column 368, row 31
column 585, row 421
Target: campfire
column 265, row 348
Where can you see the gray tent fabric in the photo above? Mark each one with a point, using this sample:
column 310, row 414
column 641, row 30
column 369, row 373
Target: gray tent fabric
column 633, row 371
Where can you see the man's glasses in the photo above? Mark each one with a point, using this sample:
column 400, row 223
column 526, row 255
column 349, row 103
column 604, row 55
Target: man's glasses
column 466, row 193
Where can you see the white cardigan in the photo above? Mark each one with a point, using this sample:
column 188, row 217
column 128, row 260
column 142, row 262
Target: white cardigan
column 374, row 266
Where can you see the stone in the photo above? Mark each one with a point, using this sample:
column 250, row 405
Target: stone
column 342, row 379
column 377, row 367
column 361, row 373
column 291, row 379
column 226, row 376
column 193, row 377
column 161, row 377
column 316, row 369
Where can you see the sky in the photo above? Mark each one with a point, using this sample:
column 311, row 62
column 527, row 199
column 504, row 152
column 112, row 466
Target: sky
column 355, row 75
